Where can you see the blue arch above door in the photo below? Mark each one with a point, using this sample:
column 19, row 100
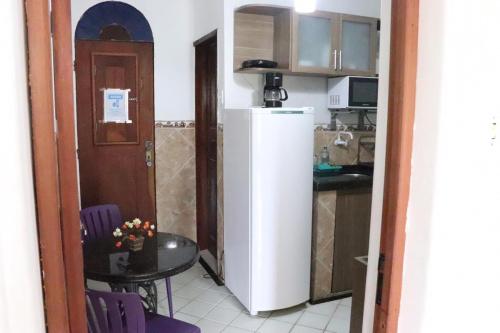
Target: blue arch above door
column 108, row 13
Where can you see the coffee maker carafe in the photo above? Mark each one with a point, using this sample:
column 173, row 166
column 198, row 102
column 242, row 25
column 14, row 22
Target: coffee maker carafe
column 273, row 91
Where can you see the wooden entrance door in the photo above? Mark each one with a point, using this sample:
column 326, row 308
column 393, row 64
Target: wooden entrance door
column 206, row 143
column 113, row 156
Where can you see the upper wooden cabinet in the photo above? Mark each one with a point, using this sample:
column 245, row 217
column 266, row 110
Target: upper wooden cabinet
column 314, row 43
column 262, row 32
column 357, row 45
column 320, row 43
column 334, row 44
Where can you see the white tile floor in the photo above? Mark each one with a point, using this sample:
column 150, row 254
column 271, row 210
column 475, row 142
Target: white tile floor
column 198, row 300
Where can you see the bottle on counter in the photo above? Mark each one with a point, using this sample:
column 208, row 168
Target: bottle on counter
column 324, row 156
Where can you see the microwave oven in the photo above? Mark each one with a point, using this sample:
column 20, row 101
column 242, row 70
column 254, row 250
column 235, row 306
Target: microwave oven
column 352, row 92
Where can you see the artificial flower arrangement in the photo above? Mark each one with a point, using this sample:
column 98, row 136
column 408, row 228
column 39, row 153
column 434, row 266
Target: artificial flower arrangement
column 133, row 233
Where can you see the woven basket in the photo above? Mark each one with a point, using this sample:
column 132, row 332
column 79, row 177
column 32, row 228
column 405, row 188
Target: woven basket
column 136, row 244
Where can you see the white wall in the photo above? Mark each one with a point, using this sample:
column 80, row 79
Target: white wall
column 21, row 301
column 451, row 268
column 172, row 23
column 176, row 24
column 243, row 90
column 379, row 172
column 209, row 16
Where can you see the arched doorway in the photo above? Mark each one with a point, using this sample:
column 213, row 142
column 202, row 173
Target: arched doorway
column 98, row 20
column 115, row 109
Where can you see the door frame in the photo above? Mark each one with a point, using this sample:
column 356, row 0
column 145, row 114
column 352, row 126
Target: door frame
column 201, row 156
column 54, row 163
column 55, row 156
column 399, row 144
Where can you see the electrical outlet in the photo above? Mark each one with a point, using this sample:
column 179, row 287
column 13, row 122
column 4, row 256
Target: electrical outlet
column 493, row 131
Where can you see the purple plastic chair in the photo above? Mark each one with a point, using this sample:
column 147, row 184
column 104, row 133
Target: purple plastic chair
column 123, row 313
column 100, row 221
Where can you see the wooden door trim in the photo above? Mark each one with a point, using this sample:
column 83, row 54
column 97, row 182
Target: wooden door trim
column 401, row 115
column 54, row 164
column 205, row 38
column 45, row 165
column 201, row 156
column 67, row 155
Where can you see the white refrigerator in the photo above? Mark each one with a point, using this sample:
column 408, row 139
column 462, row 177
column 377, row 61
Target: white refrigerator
column 268, row 189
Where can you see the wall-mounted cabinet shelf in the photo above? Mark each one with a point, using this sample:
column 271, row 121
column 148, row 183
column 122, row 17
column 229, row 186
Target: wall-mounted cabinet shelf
column 263, row 70
column 279, row 70
column 320, row 44
column 262, row 32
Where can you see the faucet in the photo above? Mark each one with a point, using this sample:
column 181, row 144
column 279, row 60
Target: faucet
column 343, row 142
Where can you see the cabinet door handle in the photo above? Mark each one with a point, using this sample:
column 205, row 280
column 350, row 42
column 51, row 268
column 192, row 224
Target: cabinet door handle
column 340, row 59
column 335, row 59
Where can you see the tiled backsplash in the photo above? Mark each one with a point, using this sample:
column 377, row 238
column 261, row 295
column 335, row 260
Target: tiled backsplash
column 346, row 155
column 175, row 124
column 176, row 174
column 322, row 243
column 176, row 180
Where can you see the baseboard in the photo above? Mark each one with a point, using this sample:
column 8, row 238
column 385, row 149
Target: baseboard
column 335, row 297
column 211, row 272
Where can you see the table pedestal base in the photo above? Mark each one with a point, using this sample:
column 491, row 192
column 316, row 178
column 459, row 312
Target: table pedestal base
column 150, row 300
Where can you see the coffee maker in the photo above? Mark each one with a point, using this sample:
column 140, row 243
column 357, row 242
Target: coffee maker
column 273, row 91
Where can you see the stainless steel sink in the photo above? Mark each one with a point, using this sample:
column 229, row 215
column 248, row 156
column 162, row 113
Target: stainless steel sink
column 350, row 171
column 349, row 176
column 354, row 175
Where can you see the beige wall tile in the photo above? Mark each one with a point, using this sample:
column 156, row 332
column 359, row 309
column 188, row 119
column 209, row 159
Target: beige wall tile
column 322, row 244
column 344, row 155
column 176, row 180
column 176, row 192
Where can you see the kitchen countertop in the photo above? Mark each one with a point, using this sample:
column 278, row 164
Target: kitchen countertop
column 349, row 177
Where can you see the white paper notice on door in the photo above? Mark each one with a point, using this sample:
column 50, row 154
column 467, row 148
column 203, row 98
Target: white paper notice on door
column 116, row 106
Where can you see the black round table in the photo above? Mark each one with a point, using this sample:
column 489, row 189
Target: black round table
column 162, row 256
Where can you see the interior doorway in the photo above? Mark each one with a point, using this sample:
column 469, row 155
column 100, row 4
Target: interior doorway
column 40, row 23
column 206, row 147
column 114, row 73
column 116, row 158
